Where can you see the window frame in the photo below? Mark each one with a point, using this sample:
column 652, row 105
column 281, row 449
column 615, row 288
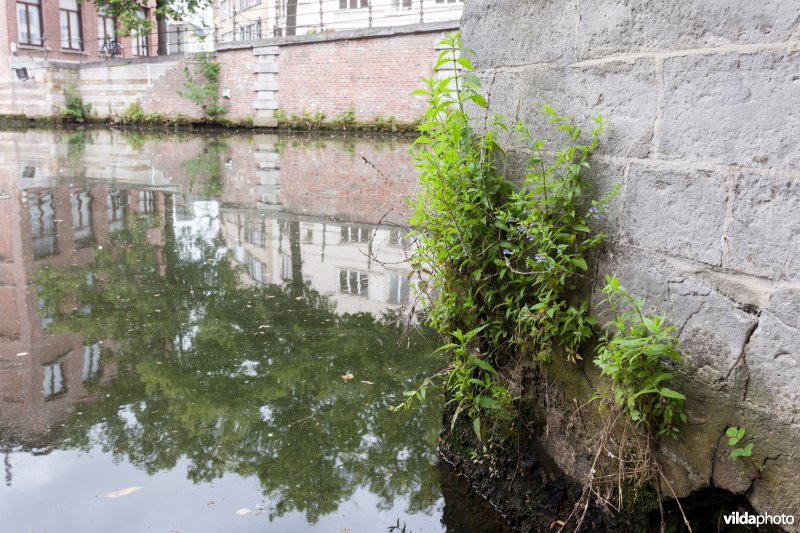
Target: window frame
column 140, row 42
column 28, row 5
column 69, row 36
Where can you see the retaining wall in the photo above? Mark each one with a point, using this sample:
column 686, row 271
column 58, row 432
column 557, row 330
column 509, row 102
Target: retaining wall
column 702, row 102
column 369, row 71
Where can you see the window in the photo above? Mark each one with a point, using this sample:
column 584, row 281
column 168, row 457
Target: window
column 449, row 1
column 250, row 32
column 29, row 22
column 225, row 8
column 106, row 28
column 397, row 5
column 353, row 4
column 244, row 4
column 71, row 34
column 140, row 40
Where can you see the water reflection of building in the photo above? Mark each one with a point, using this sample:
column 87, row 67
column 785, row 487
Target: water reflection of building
column 43, row 374
column 311, row 206
column 360, row 264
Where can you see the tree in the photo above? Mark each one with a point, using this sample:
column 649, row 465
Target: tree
column 126, row 13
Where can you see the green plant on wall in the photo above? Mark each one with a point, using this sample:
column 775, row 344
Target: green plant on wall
column 745, row 453
column 201, row 86
column 507, row 261
column 500, row 256
column 636, row 352
column 74, row 108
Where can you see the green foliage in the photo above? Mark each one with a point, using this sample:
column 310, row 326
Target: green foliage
column 202, row 86
column 637, row 352
column 126, row 12
column 480, row 399
column 75, row 110
column 505, row 255
column 135, row 115
column 735, row 435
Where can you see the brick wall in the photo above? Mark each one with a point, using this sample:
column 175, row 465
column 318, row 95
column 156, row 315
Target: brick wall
column 372, row 72
column 374, row 76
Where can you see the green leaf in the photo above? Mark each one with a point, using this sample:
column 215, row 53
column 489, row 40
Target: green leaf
column 731, row 432
column 476, row 427
column 669, row 393
column 580, row 263
column 466, row 63
column 582, row 227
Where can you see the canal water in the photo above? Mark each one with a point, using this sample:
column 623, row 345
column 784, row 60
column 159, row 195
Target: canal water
column 205, row 333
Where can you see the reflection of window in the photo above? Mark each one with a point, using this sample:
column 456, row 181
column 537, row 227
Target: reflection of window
column 29, row 172
column 82, row 218
column 398, row 288
column 356, row 234
column 398, row 238
column 71, row 25
column 286, row 267
column 254, row 231
column 44, row 317
column 91, row 362
column 53, row 379
column 139, row 41
column 258, row 270
column 117, row 206
column 147, row 201
column 353, row 282
column 29, row 22
column 43, row 224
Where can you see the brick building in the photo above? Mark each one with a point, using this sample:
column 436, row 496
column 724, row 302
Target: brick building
column 65, row 30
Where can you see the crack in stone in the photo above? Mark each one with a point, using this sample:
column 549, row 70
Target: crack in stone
column 743, row 359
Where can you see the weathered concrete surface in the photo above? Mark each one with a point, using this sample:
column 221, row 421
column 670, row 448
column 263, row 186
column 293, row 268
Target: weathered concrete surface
column 702, row 102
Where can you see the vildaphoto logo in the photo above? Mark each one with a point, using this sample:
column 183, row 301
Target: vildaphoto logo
column 747, row 519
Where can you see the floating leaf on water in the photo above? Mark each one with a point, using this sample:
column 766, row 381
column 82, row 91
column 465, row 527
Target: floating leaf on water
column 123, row 492
column 20, row 354
column 347, row 377
column 368, row 382
column 243, row 511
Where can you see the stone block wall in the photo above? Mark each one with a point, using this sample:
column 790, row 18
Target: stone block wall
column 701, row 101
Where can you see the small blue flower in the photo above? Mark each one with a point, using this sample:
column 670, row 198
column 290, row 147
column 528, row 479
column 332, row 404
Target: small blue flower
column 510, row 220
column 506, row 251
column 531, row 237
column 539, row 258
column 594, row 210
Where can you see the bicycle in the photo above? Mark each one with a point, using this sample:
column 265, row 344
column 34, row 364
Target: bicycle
column 111, row 49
